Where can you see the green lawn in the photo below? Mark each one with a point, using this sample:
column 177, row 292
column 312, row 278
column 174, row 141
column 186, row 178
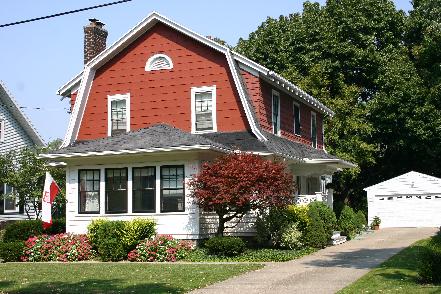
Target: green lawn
column 396, row 275
column 113, row 277
column 250, row 255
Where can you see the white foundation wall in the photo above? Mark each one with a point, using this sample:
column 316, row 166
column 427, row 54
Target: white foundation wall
column 182, row 225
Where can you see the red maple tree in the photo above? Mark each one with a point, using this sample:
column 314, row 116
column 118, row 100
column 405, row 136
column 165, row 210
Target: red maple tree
column 237, row 183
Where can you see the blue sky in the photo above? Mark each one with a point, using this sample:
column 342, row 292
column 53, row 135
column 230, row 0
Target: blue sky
column 37, row 58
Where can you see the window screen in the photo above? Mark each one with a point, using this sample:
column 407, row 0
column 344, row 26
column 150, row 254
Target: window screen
column 116, row 190
column 89, row 191
column 204, row 111
column 144, row 186
column 118, row 116
column 172, row 188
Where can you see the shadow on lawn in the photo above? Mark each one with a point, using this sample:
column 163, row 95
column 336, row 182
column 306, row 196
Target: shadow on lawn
column 90, row 286
column 358, row 259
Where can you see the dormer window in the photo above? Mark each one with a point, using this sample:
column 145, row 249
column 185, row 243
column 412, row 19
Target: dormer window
column 118, row 114
column 158, row 62
column 276, row 113
column 203, row 109
column 314, row 129
column 2, row 130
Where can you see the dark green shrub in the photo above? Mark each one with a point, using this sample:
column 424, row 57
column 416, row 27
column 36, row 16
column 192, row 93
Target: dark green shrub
column 58, row 227
column 315, row 235
column 429, row 267
column 271, row 224
column 108, row 240
column 111, row 249
column 11, row 251
column 22, row 230
column 347, row 223
column 361, row 221
column 225, row 246
column 115, row 239
column 326, row 215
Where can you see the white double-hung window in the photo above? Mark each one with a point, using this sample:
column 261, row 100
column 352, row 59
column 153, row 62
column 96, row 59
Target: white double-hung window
column 314, row 129
column 276, row 112
column 118, row 107
column 203, row 109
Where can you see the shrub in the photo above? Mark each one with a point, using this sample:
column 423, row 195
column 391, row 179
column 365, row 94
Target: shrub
column 361, row 221
column 11, row 251
column 162, row 248
column 326, row 215
column 111, row 249
column 114, row 239
column 107, row 239
column 225, row 246
column 347, row 222
column 429, row 267
column 291, row 237
column 270, row 225
column 22, row 230
column 315, row 235
column 58, row 227
column 60, row 247
column 136, row 230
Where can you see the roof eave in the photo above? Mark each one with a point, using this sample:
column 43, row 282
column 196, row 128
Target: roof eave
column 68, row 155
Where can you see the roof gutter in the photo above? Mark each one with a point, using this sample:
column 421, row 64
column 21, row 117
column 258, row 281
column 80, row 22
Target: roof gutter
column 130, row 152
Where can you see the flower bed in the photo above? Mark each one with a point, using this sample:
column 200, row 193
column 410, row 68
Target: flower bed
column 162, row 248
column 60, row 247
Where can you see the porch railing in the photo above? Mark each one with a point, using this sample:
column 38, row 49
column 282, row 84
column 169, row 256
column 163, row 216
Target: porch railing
column 318, row 196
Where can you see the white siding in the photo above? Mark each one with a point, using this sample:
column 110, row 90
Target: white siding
column 409, row 200
column 183, row 225
column 15, row 136
column 209, row 223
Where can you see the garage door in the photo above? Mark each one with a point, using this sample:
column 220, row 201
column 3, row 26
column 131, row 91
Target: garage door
column 409, row 211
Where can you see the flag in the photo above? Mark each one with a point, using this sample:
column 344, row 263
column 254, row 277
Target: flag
column 50, row 191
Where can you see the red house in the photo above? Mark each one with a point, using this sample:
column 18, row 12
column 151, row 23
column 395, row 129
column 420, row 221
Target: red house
column 148, row 110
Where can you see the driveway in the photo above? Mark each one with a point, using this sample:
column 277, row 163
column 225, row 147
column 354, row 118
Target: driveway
column 326, row 271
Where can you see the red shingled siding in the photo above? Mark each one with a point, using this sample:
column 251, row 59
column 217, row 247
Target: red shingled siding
column 73, row 97
column 261, row 95
column 163, row 96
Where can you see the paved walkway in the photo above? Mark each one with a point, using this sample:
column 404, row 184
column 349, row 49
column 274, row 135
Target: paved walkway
column 326, row 271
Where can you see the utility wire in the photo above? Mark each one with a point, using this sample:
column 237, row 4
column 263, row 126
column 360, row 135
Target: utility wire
column 63, row 13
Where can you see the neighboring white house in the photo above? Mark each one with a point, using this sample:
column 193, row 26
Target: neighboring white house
column 16, row 132
column 410, row 200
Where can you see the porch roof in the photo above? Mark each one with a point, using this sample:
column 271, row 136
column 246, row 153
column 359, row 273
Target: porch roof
column 163, row 137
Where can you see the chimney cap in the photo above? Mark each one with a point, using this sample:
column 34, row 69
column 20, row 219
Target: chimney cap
column 95, row 21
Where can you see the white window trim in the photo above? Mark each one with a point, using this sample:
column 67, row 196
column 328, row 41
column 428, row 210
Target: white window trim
column 294, row 104
column 275, row 93
column 152, row 58
column 194, row 91
column 2, row 130
column 313, row 114
column 116, row 97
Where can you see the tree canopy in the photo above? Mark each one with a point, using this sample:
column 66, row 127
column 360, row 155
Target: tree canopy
column 235, row 184
column 378, row 68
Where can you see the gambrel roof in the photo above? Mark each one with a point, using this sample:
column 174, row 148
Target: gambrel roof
column 83, row 81
column 8, row 100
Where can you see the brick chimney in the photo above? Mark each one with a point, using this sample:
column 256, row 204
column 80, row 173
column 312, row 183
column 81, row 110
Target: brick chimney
column 95, row 37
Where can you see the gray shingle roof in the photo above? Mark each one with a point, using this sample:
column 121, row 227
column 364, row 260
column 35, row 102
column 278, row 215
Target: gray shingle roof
column 157, row 136
column 165, row 136
column 247, row 142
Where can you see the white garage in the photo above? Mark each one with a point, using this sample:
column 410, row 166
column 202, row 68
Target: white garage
column 409, row 200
